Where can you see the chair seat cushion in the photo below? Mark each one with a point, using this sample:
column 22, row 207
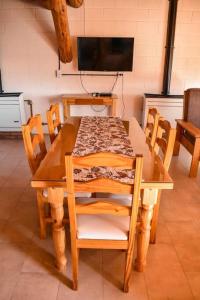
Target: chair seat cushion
column 125, row 200
column 85, row 195
column 103, row 227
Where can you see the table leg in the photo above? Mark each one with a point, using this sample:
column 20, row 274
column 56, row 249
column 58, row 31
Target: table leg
column 177, row 141
column 148, row 202
column 55, row 198
column 113, row 108
column 195, row 159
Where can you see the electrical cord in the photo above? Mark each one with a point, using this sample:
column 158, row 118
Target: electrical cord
column 111, row 90
column 115, row 82
column 81, row 80
column 92, row 106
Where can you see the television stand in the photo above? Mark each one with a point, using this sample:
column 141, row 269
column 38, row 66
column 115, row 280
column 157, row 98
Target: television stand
column 88, row 99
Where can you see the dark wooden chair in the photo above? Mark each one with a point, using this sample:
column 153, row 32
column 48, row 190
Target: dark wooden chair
column 188, row 129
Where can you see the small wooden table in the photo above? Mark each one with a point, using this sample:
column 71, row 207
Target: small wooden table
column 88, row 99
column 51, row 175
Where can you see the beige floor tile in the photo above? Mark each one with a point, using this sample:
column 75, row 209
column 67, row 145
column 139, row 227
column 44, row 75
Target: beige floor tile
column 33, row 286
column 20, row 177
column 27, row 263
column 12, row 257
column 40, row 260
column 90, row 281
column 189, row 255
column 113, row 267
column 137, row 289
column 9, row 199
column 183, row 232
column 194, row 281
column 164, row 276
column 174, row 208
column 162, row 234
column 113, row 278
column 25, row 213
column 18, row 233
column 7, row 285
column 186, row 240
column 29, row 195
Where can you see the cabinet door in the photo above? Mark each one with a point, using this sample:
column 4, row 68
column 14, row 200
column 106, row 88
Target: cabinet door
column 10, row 116
column 171, row 113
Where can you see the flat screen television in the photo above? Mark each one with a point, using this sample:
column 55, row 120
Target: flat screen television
column 105, row 53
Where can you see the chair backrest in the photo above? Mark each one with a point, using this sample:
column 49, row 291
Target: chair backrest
column 164, row 143
column 192, row 106
column 34, row 142
column 151, row 126
column 105, row 185
column 53, row 120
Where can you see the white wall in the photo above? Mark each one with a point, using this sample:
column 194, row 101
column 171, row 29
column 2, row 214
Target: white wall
column 28, row 50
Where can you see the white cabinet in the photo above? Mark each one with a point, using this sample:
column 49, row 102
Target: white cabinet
column 169, row 107
column 12, row 112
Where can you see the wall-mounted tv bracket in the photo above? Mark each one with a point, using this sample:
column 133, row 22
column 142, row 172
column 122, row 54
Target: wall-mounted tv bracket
column 59, row 74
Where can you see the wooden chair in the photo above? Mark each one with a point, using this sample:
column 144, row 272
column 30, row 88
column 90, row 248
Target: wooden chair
column 188, row 129
column 35, row 148
column 53, row 120
column 100, row 223
column 164, row 145
column 151, row 126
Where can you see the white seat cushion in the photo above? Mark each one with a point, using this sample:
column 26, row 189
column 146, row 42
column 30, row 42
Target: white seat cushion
column 45, row 194
column 119, row 198
column 103, row 227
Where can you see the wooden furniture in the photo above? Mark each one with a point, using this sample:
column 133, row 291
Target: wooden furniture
column 88, row 99
column 35, row 148
column 53, row 120
column 51, row 175
column 188, row 129
column 151, row 126
column 169, row 106
column 12, row 113
column 164, row 145
column 100, row 223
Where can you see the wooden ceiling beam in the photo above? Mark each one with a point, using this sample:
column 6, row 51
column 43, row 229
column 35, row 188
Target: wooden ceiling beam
column 59, row 13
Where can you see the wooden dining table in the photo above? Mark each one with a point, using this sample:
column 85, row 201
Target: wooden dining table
column 51, row 176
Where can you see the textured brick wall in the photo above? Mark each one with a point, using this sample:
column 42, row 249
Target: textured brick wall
column 28, row 52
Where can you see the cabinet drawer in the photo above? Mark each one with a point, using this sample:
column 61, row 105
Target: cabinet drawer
column 10, row 116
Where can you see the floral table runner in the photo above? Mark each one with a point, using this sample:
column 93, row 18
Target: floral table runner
column 102, row 134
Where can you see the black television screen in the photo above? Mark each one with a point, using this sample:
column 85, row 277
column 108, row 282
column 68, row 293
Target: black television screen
column 105, row 54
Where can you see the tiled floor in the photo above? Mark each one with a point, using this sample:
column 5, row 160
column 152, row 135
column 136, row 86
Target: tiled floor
column 26, row 262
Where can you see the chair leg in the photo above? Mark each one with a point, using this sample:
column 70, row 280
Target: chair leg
column 41, row 212
column 195, row 159
column 75, row 254
column 154, row 221
column 177, row 141
column 176, row 148
column 128, row 269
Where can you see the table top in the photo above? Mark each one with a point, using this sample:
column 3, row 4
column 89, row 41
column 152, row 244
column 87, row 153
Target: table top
column 86, row 96
column 51, row 171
